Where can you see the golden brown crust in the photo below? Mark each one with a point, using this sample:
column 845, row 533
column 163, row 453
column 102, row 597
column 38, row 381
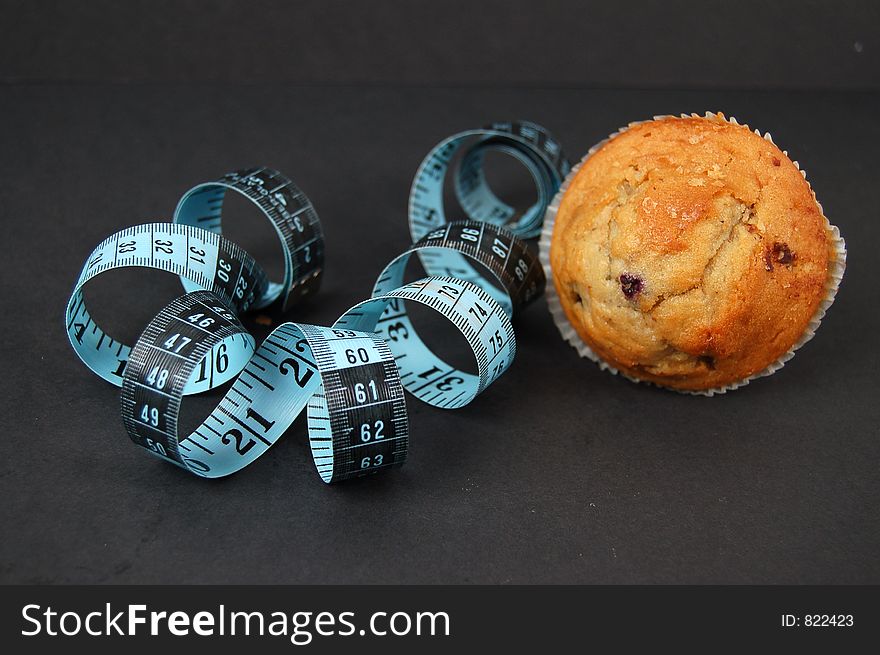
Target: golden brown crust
column 690, row 252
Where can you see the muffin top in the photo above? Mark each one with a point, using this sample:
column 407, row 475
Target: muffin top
column 690, row 252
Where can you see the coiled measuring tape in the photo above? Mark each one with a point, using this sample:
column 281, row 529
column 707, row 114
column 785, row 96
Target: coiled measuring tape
column 529, row 143
column 349, row 378
column 469, row 307
column 287, row 208
column 205, row 259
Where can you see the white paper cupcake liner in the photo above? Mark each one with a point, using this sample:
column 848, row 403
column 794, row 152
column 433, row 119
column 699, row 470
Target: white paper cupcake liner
column 570, row 335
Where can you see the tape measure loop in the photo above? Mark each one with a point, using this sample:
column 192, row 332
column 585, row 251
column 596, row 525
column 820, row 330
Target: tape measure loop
column 346, row 379
column 531, row 144
column 207, row 260
column 516, row 271
column 478, row 317
column 480, row 203
column 357, row 421
column 349, row 378
column 289, row 211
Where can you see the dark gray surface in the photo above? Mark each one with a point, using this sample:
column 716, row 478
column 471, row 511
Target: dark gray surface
column 638, row 43
column 558, row 473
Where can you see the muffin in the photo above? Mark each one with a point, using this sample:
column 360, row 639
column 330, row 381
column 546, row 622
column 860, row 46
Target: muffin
column 691, row 252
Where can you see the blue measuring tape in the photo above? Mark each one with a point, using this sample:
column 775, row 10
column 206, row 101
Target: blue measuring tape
column 203, row 258
column 349, row 378
column 529, row 143
column 472, row 309
column 287, row 208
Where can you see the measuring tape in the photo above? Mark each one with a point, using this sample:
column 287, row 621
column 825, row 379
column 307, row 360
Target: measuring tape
column 529, row 143
column 205, row 259
column 472, row 309
column 349, row 378
column 287, row 208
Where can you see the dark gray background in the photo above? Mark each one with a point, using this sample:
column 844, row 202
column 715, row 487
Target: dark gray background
column 638, row 43
column 559, row 472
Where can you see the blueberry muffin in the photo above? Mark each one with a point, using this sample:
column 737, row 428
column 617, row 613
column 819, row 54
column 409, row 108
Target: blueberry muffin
column 691, row 252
